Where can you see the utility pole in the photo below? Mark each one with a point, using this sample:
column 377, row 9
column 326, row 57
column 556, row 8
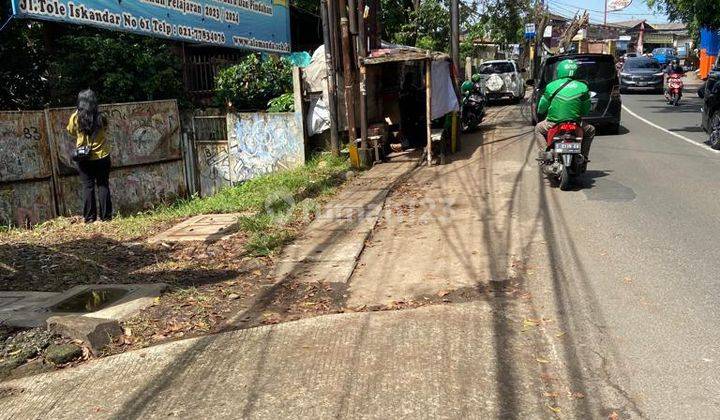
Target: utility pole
column 331, row 82
column 457, row 75
column 455, row 36
column 362, row 52
column 348, row 64
column 605, row 21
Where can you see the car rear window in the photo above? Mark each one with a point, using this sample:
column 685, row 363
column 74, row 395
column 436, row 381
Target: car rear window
column 663, row 51
column 590, row 69
column 491, row 68
column 642, row 63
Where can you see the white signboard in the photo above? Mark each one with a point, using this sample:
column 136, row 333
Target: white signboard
column 615, row 5
column 548, row 32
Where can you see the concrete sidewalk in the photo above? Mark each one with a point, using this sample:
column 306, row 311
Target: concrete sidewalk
column 434, row 362
column 490, row 357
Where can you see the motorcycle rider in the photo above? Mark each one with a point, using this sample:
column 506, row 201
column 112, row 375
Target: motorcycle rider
column 673, row 68
column 565, row 99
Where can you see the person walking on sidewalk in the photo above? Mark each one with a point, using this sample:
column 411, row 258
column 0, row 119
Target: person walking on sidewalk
column 89, row 126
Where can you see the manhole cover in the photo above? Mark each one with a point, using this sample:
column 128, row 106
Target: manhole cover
column 206, row 227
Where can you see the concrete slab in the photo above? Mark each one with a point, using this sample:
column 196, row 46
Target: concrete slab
column 37, row 307
column 97, row 333
column 332, row 243
column 205, row 227
column 14, row 301
column 461, row 361
column 327, row 245
column 315, row 271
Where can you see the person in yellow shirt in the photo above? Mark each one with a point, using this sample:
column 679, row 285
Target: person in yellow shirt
column 89, row 127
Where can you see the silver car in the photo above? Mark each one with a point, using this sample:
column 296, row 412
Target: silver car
column 502, row 79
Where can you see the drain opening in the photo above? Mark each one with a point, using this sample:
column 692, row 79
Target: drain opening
column 90, row 300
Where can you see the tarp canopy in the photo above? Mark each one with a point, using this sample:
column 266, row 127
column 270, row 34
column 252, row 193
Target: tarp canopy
column 443, row 98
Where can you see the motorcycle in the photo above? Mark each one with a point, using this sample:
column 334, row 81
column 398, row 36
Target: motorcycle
column 674, row 89
column 473, row 110
column 563, row 158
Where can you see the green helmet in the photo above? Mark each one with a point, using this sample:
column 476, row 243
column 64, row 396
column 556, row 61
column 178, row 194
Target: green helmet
column 566, row 68
column 475, row 78
column 466, row 86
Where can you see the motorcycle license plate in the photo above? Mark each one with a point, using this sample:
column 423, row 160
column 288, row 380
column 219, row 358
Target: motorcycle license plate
column 567, row 147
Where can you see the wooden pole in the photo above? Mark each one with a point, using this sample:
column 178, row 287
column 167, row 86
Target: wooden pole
column 428, row 106
column 331, row 82
column 362, row 43
column 349, row 84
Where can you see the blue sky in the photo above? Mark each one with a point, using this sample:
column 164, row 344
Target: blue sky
column 637, row 10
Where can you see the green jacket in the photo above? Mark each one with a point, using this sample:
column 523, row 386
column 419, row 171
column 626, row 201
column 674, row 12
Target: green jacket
column 570, row 104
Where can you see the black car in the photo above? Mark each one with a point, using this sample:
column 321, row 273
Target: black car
column 711, row 100
column 643, row 73
column 598, row 70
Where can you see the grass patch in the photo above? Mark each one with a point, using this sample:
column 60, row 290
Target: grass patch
column 269, row 201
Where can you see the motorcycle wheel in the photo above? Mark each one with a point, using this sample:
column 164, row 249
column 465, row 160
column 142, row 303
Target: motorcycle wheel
column 564, row 179
column 676, row 100
column 714, row 140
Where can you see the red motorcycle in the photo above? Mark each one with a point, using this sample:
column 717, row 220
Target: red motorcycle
column 563, row 157
column 674, row 89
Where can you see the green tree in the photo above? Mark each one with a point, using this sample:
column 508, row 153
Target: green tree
column 120, row 67
column 47, row 64
column 23, row 68
column 504, row 20
column 253, row 82
column 428, row 26
column 394, row 14
column 696, row 13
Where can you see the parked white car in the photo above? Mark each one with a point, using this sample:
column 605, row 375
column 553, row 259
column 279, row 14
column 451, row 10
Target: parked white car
column 502, row 79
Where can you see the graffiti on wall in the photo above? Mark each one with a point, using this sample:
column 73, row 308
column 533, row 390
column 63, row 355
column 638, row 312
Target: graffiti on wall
column 213, row 164
column 260, row 143
column 147, row 161
column 143, row 132
column 132, row 189
column 24, row 151
column 26, row 204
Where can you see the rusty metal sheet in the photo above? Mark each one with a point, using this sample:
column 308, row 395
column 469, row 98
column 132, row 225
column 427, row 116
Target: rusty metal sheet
column 132, row 189
column 140, row 132
column 260, row 143
column 26, row 203
column 213, row 167
column 24, row 151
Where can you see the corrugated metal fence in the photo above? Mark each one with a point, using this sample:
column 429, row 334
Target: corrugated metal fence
column 153, row 161
column 39, row 180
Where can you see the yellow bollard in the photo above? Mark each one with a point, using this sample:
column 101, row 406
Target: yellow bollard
column 455, row 133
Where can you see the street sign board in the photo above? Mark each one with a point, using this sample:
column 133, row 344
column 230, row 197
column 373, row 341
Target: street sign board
column 530, row 30
column 261, row 25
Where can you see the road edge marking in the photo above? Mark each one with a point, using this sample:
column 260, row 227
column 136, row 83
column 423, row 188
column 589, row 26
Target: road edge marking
column 681, row 137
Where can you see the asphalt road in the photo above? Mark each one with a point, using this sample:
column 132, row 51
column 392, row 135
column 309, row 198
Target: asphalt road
column 630, row 267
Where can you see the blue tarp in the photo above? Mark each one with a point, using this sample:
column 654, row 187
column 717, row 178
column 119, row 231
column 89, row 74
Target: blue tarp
column 710, row 41
column 261, row 25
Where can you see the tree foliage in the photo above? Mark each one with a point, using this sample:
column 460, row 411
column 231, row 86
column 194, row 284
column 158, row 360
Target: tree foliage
column 696, row 13
column 428, row 27
column 23, row 69
column 253, row 82
column 504, row 20
column 120, row 68
column 41, row 68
